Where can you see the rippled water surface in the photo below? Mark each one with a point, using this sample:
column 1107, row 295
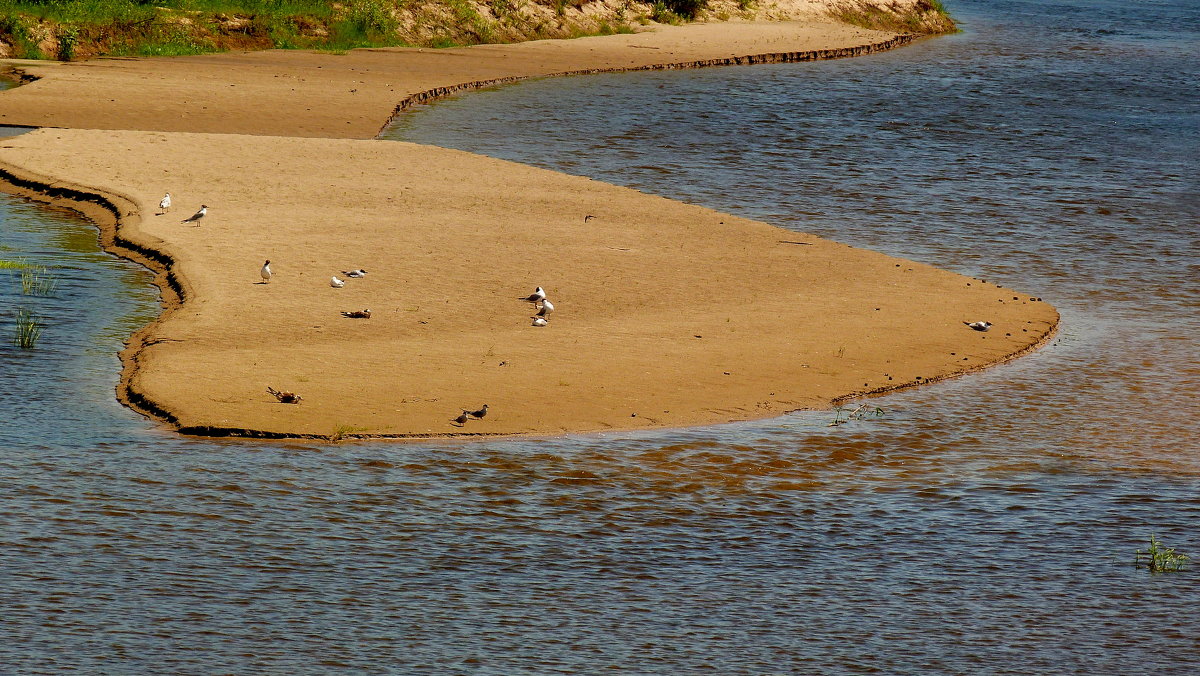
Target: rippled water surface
column 984, row 525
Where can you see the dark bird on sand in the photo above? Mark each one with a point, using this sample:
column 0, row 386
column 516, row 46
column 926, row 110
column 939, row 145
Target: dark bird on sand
column 537, row 296
column 198, row 215
column 284, row 397
column 462, row 419
column 480, row 413
column 358, row 314
column 979, row 326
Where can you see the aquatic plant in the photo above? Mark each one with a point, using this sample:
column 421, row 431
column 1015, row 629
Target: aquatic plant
column 862, row 412
column 342, row 431
column 36, row 280
column 1160, row 559
column 29, row 329
column 15, row 264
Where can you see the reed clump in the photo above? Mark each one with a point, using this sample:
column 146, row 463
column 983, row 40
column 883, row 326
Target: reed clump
column 37, row 280
column 1160, row 559
column 29, row 329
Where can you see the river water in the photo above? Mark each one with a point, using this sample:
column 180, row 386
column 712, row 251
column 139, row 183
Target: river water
column 983, row 525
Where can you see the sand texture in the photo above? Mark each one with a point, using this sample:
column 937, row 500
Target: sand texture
column 353, row 95
column 666, row 314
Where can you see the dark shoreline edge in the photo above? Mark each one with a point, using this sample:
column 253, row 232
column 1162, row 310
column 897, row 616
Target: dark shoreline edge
column 749, row 60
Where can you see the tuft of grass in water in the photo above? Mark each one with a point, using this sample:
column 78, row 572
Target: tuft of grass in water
column 36, row 280
column 1160, row 559
column 862, row 412
column 342, row 431
column 16, row 264
column 29, row 329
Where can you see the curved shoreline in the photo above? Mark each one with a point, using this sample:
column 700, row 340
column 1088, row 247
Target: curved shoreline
column 115, row 212
column 433, row 94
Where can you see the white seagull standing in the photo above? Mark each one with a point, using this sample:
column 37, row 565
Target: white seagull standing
column 356, row 274
column 537, row 296
column 265, row 272
column 336, row 283
column 547, row 308
column 164, row 205
column 979, row 326
column 540, row 321
column 198, row 215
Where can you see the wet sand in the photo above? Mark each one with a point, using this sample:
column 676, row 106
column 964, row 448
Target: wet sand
column 667, row 314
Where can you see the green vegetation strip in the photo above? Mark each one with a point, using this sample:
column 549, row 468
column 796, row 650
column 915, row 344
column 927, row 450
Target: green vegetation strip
column 79, row 29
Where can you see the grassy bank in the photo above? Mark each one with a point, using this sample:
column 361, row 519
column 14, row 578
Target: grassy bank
column 922, row 16
column 80, row 29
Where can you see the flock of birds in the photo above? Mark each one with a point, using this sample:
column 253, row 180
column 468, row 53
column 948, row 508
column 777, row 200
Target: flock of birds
column 540, row 302
column 467, row 415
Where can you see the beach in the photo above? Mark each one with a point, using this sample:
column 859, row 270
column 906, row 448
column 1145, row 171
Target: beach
column 666, row 314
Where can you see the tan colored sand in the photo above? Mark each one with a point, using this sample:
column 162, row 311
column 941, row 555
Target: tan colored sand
column 292, row 93
column 667, row 314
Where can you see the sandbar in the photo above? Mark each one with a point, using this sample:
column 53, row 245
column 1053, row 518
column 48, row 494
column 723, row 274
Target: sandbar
column 667, row 314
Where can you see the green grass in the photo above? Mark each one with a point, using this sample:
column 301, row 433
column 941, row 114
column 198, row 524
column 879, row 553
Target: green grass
column 1160, row 559
column 925, row 17
column 342, row 431
column 81, row 29
column 37, row 280
column 17, row 264
column 29, row 329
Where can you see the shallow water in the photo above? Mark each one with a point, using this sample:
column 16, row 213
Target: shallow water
column 983, row 525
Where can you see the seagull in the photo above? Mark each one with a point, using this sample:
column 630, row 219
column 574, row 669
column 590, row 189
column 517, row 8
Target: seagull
column 547, row 308
column 462, row 419
column 336, row 283
column 266, row 272
column 538, row 295
column 358, row 314
column 357, row 274
column 979, row 326
column 198, row 215
column 478, row 414
column 284, row 397
column 540, row 321
column 164, row 205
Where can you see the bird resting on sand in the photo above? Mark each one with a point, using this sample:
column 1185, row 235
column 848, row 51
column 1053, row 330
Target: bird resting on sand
column 284, row 397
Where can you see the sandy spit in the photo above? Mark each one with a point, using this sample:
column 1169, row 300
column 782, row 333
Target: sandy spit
column 353, row 95
column 667, row 314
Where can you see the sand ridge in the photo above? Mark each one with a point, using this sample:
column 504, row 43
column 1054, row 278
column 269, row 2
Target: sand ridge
column 667, row 314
